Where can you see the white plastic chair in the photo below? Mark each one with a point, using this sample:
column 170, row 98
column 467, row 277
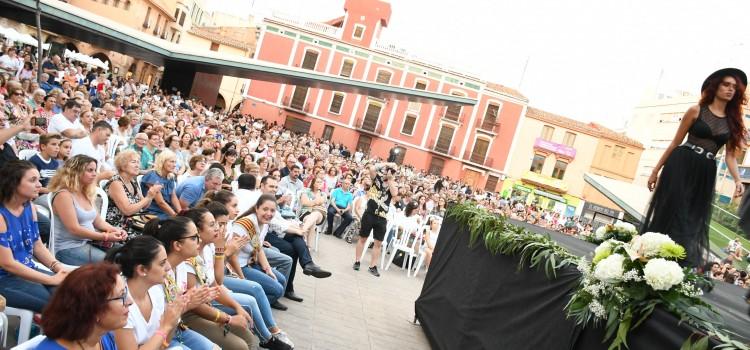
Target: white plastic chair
column 51, row 242
column 4, row 330
column 393, row 215
column 24, row 328
column 105, row 202
column 30, row 344
column 26, row 154
column 409, row 240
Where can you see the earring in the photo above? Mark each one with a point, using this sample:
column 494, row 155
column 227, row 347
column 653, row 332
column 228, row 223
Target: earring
column 144, row 275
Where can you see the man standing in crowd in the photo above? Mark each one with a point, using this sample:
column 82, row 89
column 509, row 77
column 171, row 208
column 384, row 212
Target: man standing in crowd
column 341, row 204
column 51, row 67
column 382, row 191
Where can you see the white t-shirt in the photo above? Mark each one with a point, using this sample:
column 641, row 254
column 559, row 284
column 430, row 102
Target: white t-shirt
column 246, row 199
column 145, row 329
column 206, row 260
column 58, row 123
column 86, row 146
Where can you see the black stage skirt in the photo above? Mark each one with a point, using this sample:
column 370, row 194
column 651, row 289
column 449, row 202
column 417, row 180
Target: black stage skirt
column 681, row 204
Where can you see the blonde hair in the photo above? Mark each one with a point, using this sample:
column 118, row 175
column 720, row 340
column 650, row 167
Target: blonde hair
column 162, row 158
column 68, row 177
column 123, row 158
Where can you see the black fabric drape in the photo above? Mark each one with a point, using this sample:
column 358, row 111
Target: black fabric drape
column 474, row 300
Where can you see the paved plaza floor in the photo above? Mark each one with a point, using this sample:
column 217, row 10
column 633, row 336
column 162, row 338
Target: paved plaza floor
column 352, row 309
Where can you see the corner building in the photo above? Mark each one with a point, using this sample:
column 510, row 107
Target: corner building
column 471, row 143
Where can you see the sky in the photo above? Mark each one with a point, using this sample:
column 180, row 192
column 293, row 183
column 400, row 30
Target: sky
column 590, row 60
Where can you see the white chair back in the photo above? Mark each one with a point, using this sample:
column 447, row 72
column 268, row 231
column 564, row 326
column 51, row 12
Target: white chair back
column 51, row 242
column 105, row 202
column 30, row 344
column 26, row 154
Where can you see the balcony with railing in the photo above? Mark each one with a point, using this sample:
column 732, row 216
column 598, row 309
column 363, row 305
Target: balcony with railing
column 320, row 28
column 487, row 125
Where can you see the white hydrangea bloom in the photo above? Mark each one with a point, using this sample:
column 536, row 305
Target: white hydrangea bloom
column 662, row 274
column 600, row 232
column 610, row 269
column 649, row 244
column 625, row 226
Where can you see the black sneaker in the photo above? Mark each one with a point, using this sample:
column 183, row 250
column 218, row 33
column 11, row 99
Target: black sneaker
column 275, row 344
column 356, row 266
column 374, row 271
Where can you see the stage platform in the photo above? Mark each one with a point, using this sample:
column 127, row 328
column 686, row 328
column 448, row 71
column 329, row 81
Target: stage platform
column 472, row 299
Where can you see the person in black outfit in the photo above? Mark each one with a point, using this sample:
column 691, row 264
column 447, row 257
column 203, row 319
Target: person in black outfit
column 381, row 193
column 683, row 192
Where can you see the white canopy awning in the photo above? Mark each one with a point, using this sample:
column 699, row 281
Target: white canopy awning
column 633, row 199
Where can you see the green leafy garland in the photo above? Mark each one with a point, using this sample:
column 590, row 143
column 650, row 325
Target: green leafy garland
column 540, row 251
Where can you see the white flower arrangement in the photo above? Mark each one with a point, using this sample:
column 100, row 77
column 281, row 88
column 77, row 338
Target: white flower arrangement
column 626, row 276
column 662, row 274
column 610, row 269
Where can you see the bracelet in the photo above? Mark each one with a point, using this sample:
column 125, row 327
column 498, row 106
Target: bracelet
column 52, row 266
column 219, row 256
column 163, row 335
column 220, row 250
column 218, row 315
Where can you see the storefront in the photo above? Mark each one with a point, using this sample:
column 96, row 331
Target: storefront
column 598, row 215
column 544, row 198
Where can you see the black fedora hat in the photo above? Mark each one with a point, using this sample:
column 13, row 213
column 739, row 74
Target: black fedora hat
column 723, row 73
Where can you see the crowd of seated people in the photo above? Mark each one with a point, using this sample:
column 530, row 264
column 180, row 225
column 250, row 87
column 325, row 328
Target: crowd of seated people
column 209, row 214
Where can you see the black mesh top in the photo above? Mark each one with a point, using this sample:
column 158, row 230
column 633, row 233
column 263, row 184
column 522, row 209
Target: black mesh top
column 709, row 131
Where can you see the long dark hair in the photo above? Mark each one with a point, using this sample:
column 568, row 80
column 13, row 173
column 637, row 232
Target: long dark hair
column 141, row 250
column 262, row 199
column 737, row 129
column 11, row 174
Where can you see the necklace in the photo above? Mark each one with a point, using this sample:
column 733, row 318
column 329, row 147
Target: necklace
column 98, row 345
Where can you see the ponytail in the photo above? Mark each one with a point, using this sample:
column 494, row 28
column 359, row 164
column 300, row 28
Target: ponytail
column 167, row 231
column 141, row 250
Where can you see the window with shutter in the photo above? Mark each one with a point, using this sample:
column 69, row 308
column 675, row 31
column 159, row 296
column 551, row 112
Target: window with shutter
column 359, row 32
column 346, row 68
column 327, row 132
column 415, row 106
column 409, row 123
column 336, row 102
column 298, row 98
column 311, row 58
column 569, row 139
column 444, row 139
column 420, row 86
column 490, row 117
column 297, row 125
column 559, row 171
column 363, row 144
column 453, row 112
column 547, row 132
column 384, row 77
column 479, row 153
column 436, row 166
column 491, row 184
column 371, row 117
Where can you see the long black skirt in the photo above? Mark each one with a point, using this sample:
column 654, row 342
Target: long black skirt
column 681, row 204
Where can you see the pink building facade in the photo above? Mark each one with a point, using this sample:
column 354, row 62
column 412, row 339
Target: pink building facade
column 471, row 143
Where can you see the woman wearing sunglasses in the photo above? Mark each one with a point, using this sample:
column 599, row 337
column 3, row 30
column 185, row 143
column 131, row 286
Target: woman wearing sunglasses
column 90, row 303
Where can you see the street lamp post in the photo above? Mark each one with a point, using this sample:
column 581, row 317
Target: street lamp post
column 39, row 47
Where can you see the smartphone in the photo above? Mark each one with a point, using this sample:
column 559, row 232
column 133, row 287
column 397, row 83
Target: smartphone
column 40, row 121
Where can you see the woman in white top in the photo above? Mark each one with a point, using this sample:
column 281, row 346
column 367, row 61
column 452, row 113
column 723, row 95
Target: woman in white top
column 211, row 261
column 183, row 244
column 153, row 323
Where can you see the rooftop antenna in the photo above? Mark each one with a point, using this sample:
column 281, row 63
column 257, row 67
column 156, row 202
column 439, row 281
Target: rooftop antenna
column 523, row 74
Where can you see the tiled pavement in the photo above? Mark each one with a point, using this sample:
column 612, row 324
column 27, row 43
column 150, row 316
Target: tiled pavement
column 352, row 309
